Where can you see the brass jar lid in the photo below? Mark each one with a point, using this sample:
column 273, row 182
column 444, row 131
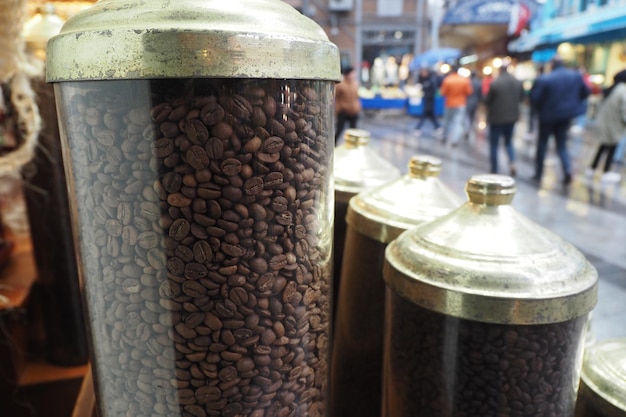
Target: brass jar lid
column 417, row 197
column 357, row 167
column 135, row 39
column 604, row 375
column 486, row 262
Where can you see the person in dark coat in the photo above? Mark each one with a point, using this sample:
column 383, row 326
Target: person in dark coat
column 429, row 85
column 532, row 111
column 559, row 96
column 503, row 100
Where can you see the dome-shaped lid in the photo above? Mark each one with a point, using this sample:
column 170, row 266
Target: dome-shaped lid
column 486, row 262
column 129, row 39
column 604, row 372
column 419, row 196
column 357, row 167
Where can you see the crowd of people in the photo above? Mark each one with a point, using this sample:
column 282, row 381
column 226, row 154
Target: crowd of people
column 557, row 101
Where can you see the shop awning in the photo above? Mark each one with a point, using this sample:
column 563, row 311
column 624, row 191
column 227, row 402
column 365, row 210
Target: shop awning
column 469, row 36
column 603, row 24
column 525, row 43
column 468, row 23
column 432, row 56
column 474, row 12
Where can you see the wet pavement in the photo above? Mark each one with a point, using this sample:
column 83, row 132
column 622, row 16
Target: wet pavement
column 588, row 213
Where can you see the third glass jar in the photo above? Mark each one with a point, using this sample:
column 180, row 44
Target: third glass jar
column 485, row 313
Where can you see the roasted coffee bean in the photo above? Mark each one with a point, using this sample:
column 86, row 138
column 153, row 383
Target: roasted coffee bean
column 230, row 166
column 197, row 131
column 212, row 114
column 239, row 106
column 214, row 148
column 487, row 373
column 272, row 145
column 203, row 259
column 197, row 157
column 222, row 130
column 253, row 186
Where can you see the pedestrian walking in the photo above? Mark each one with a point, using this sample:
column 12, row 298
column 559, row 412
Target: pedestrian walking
column 347, row 102
column 428, row 81
column 503, row 110
column 610, row 126
column 473, row 102
column 559, row 96
column 485, row 83
column 455, row 88
column 532, row 112
column 618, row 158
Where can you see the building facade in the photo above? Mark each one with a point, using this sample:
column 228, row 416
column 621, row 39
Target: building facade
column 373, row 33
column 365, row 30
column 586, row 33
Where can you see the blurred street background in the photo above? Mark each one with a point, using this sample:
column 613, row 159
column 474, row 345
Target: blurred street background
column 589, row 213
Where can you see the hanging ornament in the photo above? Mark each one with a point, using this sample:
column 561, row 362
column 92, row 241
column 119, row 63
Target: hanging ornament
column 20, row 122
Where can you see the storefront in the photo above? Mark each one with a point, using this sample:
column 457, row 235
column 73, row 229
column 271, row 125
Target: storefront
column 594, row 40
column 385, row 66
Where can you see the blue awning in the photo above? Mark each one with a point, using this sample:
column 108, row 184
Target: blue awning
column 543, row 55
column 472, row 12
column 603, row 24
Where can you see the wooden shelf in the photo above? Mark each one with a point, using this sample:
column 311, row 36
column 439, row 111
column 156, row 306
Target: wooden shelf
column 32, row 386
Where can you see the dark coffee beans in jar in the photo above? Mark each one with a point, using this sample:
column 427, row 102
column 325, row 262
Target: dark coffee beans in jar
column 442, row 366
column 205, row 242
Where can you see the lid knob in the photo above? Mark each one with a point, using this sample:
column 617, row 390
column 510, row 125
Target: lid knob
column 490, row 189
column 422, row 166
column 356, row 137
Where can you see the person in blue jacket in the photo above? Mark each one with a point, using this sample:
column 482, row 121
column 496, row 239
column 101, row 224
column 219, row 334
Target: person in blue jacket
column 559, row 96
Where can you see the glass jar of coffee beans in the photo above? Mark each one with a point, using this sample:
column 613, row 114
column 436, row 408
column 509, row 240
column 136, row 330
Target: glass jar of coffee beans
column 356, row 168
column 485, row 313
column 375, row 217
column 198, row 137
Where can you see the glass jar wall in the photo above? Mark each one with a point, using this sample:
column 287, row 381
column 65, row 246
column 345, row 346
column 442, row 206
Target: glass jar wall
column 457, row 367
column 198, row 136
column 206, row 242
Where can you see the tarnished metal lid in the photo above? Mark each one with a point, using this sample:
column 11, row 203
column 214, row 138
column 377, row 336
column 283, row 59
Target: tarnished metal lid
column 130, row 39
column 485, row 261
column 357, row 167
column 419, row 196
column 604, row 373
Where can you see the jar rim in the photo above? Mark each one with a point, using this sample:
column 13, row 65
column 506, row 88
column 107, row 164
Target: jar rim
column 120, row 39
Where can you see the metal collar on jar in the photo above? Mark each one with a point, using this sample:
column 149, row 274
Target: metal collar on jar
column 486, row 262
column 122, row 39
column 417, row 197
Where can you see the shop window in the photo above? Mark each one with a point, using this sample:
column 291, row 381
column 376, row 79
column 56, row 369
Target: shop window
column 345, row 59
column 389, row 7
column 568, row 7
column 591, row 4
column 401, row 36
